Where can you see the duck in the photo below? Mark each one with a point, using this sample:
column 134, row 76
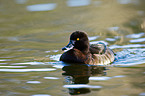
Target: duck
column 80, row 51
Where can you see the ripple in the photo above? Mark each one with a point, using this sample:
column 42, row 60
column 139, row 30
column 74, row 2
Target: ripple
column 137, row 40
column 93, row 38
column 51, row 51
column 117, row 37
column 47, row 51
column 113, row 28
column 119, row 76
column 76, row 3
column 127, row 46
column 3, row 63
column 100, row 78
column 20, row 1
column 142, row 94
column 130, row 57
column 5, row 60
column 33, row 82
column 10, row 38
column 110, row 39
column 41, row 7
column 135, row 35
column 26, row 70
column 95, row 42
column 55, row 50
column 54, row 57
column 30, row 63
column 13, row 66
column 124, row 1
column 41, row 95
column 51, row 78
column 58, row 66
column 81, row 86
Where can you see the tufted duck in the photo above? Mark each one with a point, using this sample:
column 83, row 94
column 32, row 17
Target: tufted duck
column 81, row 52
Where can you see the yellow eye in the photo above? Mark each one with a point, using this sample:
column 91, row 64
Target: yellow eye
column 78, row 39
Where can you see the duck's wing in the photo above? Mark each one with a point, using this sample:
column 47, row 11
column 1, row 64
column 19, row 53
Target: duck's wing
column 102, row 55
column 105, row 58
column 99, row 48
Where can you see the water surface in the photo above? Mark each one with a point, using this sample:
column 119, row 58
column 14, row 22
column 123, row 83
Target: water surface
column 32, row 34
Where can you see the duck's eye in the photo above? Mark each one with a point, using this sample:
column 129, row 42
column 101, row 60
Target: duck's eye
column 78, row 39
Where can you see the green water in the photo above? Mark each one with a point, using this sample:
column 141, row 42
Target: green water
column 31, row 42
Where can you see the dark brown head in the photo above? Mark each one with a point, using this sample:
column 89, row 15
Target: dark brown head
column 78, row 40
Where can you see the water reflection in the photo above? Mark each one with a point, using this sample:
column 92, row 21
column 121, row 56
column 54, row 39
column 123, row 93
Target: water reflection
column 77, row 78
column 41, row 7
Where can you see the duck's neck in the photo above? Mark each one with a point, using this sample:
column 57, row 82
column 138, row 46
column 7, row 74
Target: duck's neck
column 83, row 47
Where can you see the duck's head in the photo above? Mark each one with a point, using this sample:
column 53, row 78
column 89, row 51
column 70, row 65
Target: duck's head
column 78, row 40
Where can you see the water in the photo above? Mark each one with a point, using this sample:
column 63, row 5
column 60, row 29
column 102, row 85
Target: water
column 31, row 39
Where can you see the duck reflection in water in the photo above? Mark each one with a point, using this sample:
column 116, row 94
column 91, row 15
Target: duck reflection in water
column 79, row 74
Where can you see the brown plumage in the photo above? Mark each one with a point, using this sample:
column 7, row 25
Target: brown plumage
column 81, row 52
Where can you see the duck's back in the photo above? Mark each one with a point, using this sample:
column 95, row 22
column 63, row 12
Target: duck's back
column 101, row 54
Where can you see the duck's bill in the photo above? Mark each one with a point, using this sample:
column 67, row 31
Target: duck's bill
column 69, row 46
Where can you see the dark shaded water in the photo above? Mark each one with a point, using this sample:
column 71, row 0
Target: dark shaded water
column 32, row 34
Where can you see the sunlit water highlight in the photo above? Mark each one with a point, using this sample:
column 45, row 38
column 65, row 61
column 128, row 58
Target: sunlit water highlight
column 76, row 3
column 40, row 95
column 33, row 82
column 81, row 86
column 41, row 7
column 26, row 70
column 53, row 78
